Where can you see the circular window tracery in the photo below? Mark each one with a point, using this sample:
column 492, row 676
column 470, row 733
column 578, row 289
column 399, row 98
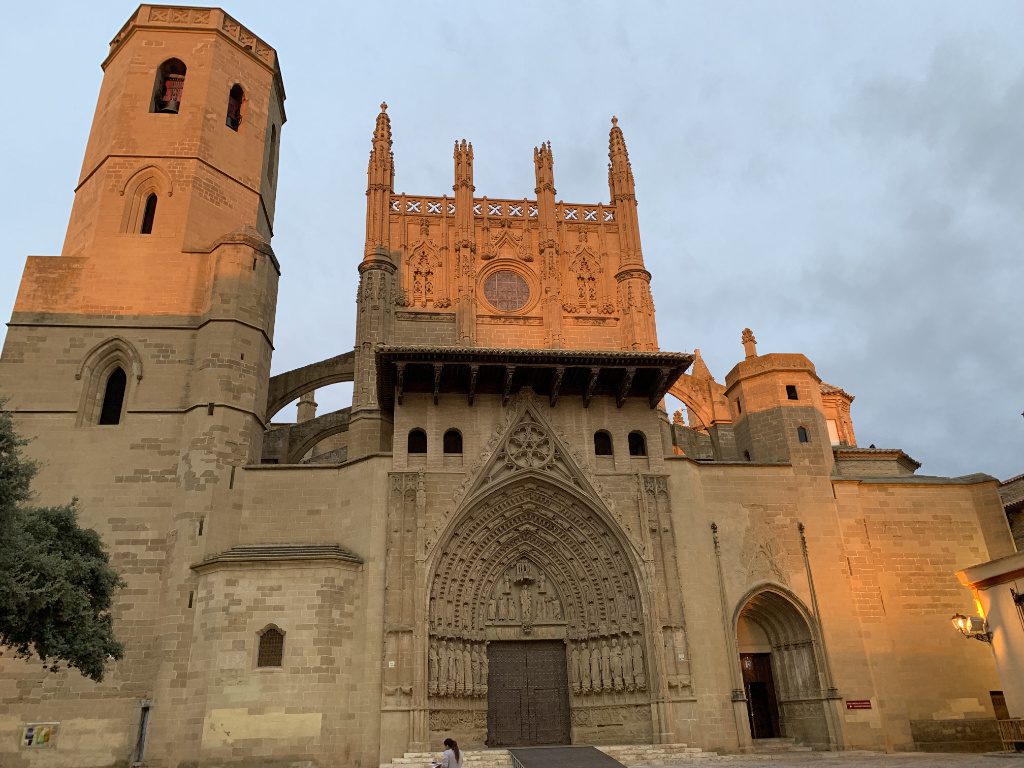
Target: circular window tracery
column 506, row 290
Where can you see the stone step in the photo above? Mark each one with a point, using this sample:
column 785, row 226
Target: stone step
column 632, row 755
column 637, row 755
column 778, row 744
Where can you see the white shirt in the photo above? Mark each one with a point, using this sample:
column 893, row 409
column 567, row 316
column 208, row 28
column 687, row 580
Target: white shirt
column 448, row 759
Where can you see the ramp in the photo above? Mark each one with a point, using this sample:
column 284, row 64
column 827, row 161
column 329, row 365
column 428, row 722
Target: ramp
column 562, row 757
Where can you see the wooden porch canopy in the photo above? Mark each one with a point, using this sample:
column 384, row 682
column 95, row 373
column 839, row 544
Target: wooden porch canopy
column 554, row 373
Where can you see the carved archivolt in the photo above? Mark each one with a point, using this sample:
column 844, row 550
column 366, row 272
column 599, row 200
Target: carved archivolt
column 489, row 575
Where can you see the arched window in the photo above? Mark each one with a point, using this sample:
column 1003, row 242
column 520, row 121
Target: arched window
column 113, row 397
column 170, row 83
column 272, row 161
column 235, row 99
column 602, row 443
column 271, row 648
column 417, row 441
column 801, row 435
column 637, row 444
column 452, row 442
column 148, row 215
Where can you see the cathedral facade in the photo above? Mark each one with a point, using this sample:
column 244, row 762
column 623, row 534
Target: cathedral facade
column 505, row 538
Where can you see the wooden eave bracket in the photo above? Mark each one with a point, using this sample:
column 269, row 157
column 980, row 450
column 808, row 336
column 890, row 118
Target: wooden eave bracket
column 400, row 382
column 506, row 393
column 438, row 368
column 556, row 384
column 474, row 371
column 589, row 393
column 627, row 382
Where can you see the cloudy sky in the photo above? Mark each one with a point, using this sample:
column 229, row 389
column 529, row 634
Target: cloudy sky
column 847, row 179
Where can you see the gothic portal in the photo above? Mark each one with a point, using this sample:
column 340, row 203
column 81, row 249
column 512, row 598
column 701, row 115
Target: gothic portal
column 506, row 537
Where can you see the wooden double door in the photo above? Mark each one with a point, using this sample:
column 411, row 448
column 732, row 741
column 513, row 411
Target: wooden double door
column 527, row 693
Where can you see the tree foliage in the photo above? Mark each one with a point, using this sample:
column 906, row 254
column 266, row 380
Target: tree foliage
column 56, row 583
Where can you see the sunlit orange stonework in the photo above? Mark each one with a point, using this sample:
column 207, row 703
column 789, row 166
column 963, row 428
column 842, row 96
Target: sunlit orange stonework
column 505, row 538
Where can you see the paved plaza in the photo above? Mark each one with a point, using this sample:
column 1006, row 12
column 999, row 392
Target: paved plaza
column 855, row 759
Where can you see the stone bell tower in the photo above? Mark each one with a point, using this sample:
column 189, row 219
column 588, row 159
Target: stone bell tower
column 138, row 359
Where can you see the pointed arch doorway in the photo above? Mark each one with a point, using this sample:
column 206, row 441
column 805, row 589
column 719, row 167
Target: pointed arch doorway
column 778, row 656
column 536, row 623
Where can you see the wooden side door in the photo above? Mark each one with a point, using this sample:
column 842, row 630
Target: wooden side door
column 762, row 707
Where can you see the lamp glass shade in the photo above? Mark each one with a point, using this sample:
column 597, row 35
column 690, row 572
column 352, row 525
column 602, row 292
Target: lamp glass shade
column 961, row 623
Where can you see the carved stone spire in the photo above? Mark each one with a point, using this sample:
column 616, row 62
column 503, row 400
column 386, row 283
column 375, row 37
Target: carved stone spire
column 749, row 343
column 380, row 183
column 620, row 173
column 551, row 274
column 465, row 244
column 543, row 163
column 634, row 282
column 463, row 166
column 375, row 300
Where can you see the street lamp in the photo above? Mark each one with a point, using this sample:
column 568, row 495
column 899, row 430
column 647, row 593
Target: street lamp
column 973, row 627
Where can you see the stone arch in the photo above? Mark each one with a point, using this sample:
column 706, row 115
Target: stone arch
column 291, row 385
column 96, row 366
column 536, row 517
column 543, row 536
column 287, row 444
column 690, row 391
column 307, row 435
column 797, row 661
column 148, row 180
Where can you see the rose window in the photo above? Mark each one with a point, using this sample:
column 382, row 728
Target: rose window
column 506, row 290
column 529, row 447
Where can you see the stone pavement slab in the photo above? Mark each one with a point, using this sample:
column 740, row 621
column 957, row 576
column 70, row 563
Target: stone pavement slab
column 857, row 759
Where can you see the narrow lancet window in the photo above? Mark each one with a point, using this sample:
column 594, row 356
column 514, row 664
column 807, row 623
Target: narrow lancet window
column 148, row 215
column 272, row 161
column 801, row 435
column 235, row 99
column 113, row 397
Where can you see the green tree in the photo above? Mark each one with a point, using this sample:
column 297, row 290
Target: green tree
column 56, row 583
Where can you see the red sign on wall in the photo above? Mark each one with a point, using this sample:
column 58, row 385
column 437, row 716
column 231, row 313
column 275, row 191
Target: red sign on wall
column 858, row 704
